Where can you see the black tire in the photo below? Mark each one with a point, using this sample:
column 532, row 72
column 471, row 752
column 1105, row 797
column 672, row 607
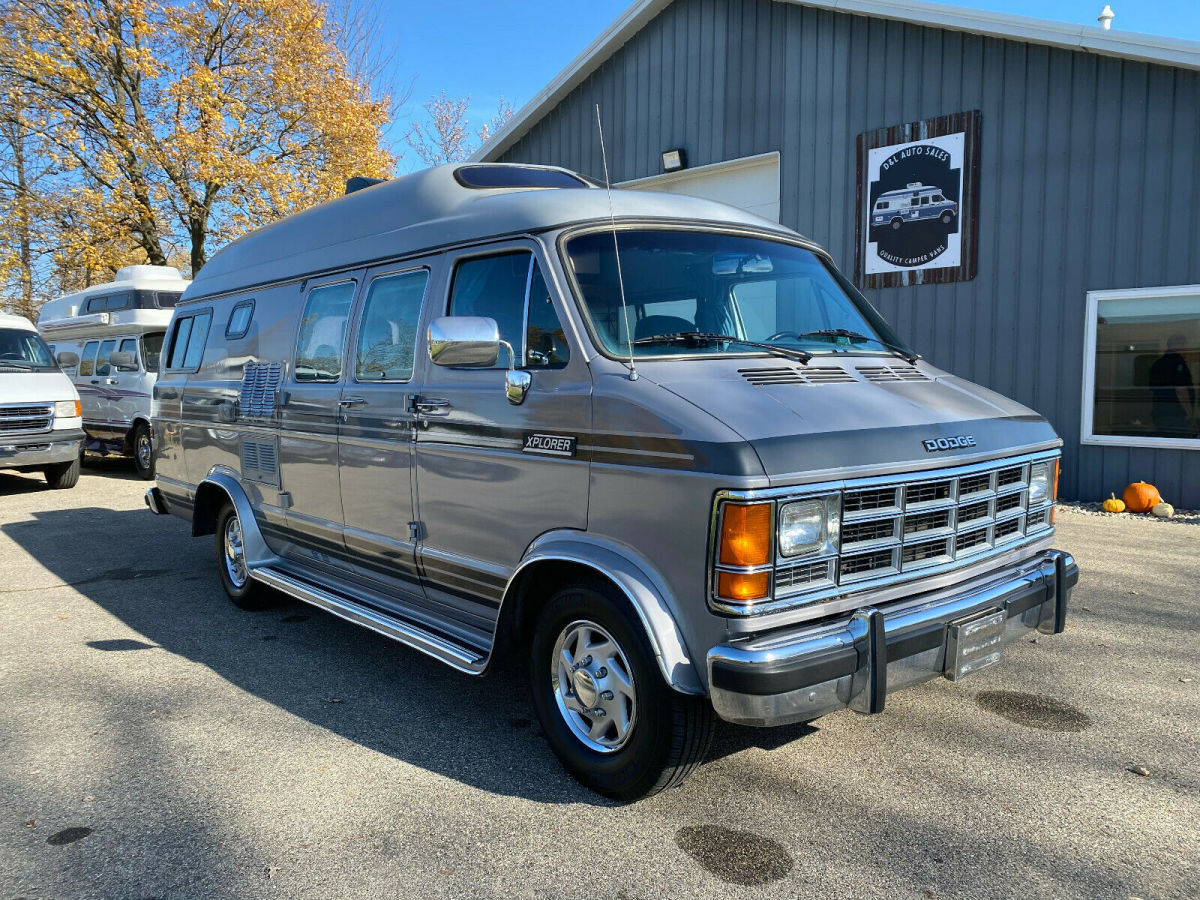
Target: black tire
column 62, row 475
column 947, row 218
column 142, row 449
column 896, row 223
column 671, row 732
column 250, row 594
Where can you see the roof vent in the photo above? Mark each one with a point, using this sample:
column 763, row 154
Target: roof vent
column 501, row 176
column 358, row 182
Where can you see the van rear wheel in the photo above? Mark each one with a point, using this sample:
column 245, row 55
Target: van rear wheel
column 896, row 223
column 143, row 451
column 604, row 706
column 243, row 590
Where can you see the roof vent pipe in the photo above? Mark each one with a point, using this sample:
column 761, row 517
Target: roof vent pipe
column 358, row 182
column 1105, row 18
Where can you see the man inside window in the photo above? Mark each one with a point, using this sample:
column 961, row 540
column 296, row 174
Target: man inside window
column 1173, row 391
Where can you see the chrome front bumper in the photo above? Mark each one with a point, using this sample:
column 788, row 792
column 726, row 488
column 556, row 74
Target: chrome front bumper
column 799, row 674
column 37, row 450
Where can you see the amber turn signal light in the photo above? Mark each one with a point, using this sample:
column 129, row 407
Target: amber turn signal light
column 746, row 535
column 742, row 586
column 1054, row 492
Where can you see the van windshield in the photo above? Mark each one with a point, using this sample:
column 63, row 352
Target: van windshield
column 24, row 351
column 682, row 288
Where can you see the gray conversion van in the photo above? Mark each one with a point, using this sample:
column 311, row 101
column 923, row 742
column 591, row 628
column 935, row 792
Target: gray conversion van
column 672, row 457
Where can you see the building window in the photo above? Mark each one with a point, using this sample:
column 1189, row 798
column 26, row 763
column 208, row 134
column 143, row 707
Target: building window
column 1141, row 380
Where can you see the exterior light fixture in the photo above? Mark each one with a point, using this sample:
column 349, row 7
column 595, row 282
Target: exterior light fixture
column 674, row 160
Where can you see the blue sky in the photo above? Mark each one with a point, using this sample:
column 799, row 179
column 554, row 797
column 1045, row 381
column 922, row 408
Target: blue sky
column 493, row 49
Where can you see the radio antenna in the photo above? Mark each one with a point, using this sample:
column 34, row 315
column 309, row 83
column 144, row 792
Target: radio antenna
column 633, row 375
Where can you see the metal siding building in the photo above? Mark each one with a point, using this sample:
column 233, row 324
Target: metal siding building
column 1089, row 170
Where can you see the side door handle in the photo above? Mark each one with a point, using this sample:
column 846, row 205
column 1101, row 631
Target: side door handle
column 347, row 402
column 430, row 406
column 111, row 381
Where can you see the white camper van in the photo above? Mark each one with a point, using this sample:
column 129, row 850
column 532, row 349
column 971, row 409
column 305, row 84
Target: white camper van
column 116, row 330
column 39, row 408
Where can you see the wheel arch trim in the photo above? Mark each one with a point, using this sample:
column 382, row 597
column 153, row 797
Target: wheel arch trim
column 224, row 481
column 637, row 582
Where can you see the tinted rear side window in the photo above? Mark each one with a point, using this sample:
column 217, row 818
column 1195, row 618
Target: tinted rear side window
column 188, row 340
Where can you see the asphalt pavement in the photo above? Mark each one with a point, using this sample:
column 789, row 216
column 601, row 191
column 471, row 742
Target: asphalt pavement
column 155, row 741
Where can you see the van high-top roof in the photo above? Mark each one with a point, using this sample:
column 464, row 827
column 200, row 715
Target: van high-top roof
column 127, row 278
column 436, row 208
column 8, row 320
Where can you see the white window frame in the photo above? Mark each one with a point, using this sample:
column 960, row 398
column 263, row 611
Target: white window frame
column 1089, row 371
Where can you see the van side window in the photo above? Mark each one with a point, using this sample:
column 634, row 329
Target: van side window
column 103, row 367
column 87, row 362
column 545, row 342
column 183, row 330
column 187, row 343
column 388, row 330
column 129, row 345
column 494, row 286
column 152, row 349
column 196, row 341
column 239, row 320
column 97, row 304
column 323, row 332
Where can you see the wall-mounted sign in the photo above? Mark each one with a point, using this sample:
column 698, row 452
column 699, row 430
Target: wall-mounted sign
column 918, row 192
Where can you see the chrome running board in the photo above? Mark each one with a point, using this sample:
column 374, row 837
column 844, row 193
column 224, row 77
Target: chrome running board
column 462, row 658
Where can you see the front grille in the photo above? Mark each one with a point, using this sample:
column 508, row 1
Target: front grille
column 936, row 519
column 803, row 577
column 26, row 418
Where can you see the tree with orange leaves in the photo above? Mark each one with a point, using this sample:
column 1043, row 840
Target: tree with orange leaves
column 175, row 127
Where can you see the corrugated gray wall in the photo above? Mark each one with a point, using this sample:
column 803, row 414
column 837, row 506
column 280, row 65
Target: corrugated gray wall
column 1090, row 177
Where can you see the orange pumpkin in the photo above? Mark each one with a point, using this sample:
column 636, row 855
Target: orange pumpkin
column 1141, row 497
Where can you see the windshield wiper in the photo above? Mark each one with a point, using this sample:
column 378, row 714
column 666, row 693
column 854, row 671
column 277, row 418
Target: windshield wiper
column 704, row 337
column 907, row 355
column 18, row 363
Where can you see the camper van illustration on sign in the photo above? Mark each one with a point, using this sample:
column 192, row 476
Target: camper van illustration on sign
column 912, row 200
column 914, row 203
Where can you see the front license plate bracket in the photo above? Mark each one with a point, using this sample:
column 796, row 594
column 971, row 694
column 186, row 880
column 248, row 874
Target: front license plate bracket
column 974, row 643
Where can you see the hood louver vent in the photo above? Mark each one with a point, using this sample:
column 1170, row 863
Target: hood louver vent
column 892, row 373
column 792, row 375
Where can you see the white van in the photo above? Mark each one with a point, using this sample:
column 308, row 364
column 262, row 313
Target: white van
column 40, row 424
column 116, row 330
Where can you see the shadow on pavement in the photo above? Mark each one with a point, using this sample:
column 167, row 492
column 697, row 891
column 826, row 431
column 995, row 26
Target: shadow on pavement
column 162, row 584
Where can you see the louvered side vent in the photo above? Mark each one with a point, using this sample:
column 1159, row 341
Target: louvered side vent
column 792, row 375
column 892, row 373
column 259, row 384
column 260, row 461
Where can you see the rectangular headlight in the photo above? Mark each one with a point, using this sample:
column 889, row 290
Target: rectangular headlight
column 66, row 409
column 807, row 526
column 1039, row 483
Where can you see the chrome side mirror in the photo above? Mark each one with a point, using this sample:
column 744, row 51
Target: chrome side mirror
column 124, row 362
column 472, row 341
column 66, row 359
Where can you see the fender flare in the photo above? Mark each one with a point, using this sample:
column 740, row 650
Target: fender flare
column 257, row 551
column 642, row 587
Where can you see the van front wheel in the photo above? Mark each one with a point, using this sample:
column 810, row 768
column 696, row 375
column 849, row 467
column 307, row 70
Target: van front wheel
column 607, row 713
column 62, row 475
column 243, row 590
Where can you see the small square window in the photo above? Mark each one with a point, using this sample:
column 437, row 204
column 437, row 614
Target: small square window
column 239, row 320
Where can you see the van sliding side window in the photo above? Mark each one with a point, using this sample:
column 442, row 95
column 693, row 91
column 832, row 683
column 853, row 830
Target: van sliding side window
column 187, row 342
column 322, row 338
column 87, row 362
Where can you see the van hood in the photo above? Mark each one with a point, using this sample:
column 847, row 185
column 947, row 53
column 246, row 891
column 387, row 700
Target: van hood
column 873, row 414
column 35, row 387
